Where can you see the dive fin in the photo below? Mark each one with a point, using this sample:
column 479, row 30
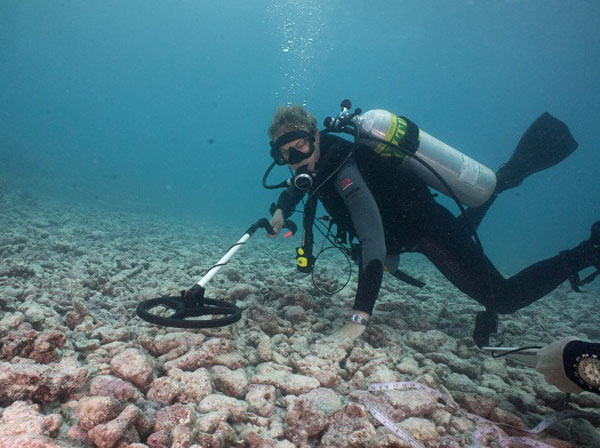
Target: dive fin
column 404, row 277
column 545, row 143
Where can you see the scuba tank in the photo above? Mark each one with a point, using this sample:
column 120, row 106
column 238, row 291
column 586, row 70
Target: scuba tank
column 472, row 183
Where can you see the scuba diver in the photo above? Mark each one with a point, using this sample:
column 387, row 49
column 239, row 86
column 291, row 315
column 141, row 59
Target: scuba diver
column 390, row 210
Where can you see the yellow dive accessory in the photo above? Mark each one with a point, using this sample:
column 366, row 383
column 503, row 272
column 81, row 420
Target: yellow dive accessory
column 304, row 260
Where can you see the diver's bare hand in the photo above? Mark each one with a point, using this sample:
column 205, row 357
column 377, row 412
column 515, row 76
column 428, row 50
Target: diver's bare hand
column 350, row 331
column 277, row 222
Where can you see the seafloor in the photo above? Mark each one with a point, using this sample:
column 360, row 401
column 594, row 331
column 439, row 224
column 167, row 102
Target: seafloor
column 78, row 368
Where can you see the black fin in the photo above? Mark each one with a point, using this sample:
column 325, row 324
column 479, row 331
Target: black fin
column 545, row 143
column 404, row 277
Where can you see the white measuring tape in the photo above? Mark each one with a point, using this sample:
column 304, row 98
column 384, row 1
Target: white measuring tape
column 413, row 385
column 504, row 440
column 389, row 424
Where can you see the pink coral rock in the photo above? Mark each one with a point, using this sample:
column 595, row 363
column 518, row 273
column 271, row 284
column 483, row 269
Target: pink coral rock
column 264, row 349
column 92, row 411
column 265, row 319
column 295, row 314
column 18, row 342
column 231, row 382
column 194, row 386
column 182, row 436
column 109, row 334
column 46, row 345
column 25, row 379
column 324, row 371
column 24, row 418
column 26, row 342
column 223, row 437
column 215, row 351
column 108, row 385
column 304, row 420
column 178, row 414
column 218, row 402
column 324, row 399
column 135, row 366
column 411, row 403
column 163, row 344
column 29, row 441
column 159, row 439
column 261, row 399
column 164, row 390
column 482, row 406
column 78, row 435
column 252, row 439
column 420, row 428
column 210, row 421
column 349, row 427
column 107, row 435
column 291, row 383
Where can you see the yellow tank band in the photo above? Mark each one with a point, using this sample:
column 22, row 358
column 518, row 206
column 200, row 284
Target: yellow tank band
column 302, row 262
column 300, row 251
column 395, row 133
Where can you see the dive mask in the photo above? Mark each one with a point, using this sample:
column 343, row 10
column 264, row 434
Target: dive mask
column 294, row 155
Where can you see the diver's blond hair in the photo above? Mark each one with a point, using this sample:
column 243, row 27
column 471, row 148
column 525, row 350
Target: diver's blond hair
column 291, row 118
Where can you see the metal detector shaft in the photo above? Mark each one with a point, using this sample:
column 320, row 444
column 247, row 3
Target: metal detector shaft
column 527, row 356
column 261, row 223
column 223, row 261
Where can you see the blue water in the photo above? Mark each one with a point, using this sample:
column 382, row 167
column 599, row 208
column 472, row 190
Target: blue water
column 162, row 107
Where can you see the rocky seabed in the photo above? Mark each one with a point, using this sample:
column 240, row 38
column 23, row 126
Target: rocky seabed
column 79, row 369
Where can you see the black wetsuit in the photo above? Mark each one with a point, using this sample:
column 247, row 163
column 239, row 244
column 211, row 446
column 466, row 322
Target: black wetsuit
column 392, row 211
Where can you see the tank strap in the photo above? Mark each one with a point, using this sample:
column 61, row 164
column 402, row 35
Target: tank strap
column 410, row 140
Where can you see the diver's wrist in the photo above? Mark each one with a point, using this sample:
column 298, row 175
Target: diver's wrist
column 360, row 318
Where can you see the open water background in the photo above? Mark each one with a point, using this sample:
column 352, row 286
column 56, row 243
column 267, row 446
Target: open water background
column 162, row 107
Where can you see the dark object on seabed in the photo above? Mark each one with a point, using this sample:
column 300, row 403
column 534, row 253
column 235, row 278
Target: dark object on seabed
column 486, row 323
column 406, row 278
column 545, row 143
column 185, row 308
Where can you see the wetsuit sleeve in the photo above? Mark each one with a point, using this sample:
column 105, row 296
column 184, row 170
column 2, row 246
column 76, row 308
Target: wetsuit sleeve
column 571, row 353
column 368, row 226
column 288, row 199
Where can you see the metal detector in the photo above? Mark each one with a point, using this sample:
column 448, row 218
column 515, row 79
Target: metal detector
column 180, row 311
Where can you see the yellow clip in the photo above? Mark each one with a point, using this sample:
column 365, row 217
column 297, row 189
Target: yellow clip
column 302, row 262
column 300, row 251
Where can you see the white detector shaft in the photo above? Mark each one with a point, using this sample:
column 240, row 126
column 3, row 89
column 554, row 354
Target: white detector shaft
column 223, row 261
